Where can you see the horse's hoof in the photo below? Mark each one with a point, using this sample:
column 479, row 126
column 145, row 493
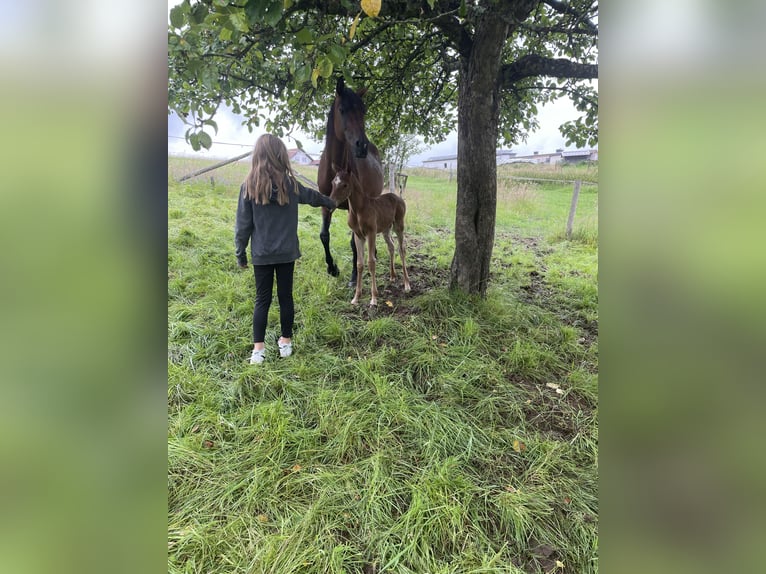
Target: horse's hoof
column 333, row 270
column 352, row 284
column 354, row 302
column 373, row 303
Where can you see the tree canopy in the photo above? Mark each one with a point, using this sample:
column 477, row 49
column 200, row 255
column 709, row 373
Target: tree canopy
column 273, row 62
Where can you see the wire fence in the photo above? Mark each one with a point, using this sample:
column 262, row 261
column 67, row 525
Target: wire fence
column 232, row 171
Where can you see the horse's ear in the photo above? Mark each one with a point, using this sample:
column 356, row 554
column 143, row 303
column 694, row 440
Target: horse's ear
column 334, row 167
column 361, row 92
column 339, row 86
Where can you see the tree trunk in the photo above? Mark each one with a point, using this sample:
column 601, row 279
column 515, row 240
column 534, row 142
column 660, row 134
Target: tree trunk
column 476, row 165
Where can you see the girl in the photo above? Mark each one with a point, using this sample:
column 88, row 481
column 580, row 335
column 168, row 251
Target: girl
column 267, row 218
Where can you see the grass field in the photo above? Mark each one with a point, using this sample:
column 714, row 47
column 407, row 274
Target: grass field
column 437, row 433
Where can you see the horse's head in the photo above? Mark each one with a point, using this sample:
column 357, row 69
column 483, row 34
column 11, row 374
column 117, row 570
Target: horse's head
column 341, row 185
column 349, row 110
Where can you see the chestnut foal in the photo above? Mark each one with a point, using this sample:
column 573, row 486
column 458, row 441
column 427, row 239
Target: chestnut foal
column 368, row 216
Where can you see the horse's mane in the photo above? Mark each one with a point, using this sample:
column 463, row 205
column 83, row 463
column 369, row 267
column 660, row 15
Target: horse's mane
column 330, row 131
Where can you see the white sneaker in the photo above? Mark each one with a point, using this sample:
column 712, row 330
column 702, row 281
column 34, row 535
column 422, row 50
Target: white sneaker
column 257, row 357
column 285, row 349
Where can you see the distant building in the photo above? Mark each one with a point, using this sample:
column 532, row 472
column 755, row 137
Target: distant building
column 299, row 156
column 450, row 161
column 580, row 155
column 442, row 162
column 504, row 156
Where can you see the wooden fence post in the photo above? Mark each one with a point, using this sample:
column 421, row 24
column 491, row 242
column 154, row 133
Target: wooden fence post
column 573, row 208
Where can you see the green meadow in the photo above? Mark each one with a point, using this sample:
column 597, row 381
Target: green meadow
column 436, row 433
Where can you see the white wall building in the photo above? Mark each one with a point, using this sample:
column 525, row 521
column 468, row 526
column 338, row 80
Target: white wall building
column 299, row 156
column 504, row 156
column 441, row 162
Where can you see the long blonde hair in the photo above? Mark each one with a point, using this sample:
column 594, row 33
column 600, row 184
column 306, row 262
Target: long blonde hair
column 271, row 166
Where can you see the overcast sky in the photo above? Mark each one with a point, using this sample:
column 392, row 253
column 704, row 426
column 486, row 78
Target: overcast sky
column 231, row 131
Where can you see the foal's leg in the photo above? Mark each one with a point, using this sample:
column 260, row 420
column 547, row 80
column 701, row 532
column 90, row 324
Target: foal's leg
column 324, row 236
column 359, row 244
column 371, row 263
column 390, row 243
column 400, row 239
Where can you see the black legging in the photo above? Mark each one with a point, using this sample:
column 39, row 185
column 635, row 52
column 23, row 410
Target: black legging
column 264, row 285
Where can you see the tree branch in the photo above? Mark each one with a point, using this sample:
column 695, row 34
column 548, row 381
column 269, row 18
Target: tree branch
column 533, row 65
column 565, row 89
column 382, row 28
column 563, row 7
column 456, row 34
column 560, row 30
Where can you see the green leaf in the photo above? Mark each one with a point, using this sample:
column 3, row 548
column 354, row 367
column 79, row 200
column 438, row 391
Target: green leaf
column 194, row 66
column 254, row 10
column 273, row 13
column 205, row 140
column 239, row 19
column 209, row 78
column 303, row 73
column 213, row 124
column 194, row 141
column 177, row 16
column 226, row 34
column 314, row 76
column 304, row 36
column 198, row 13
column 288, row 3
column 325, row 67
column 337, row 54
column 432, row 2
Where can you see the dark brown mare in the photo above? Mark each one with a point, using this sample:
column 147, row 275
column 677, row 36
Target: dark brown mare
column 346, row 147
column 368, row 216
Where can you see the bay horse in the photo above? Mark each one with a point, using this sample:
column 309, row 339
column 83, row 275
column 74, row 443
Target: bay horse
column 346, row 147
column 368, row 216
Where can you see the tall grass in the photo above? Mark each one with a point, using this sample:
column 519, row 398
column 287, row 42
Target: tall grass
column 442, row 433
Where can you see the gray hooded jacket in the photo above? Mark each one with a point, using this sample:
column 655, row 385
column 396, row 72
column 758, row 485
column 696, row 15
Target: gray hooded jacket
column 272, row 229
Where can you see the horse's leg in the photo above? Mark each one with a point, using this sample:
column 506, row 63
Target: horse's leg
column 371, row 264
column 390, row 243
column 359, row 244
column 402, row 250
column 324, row 236
column 352, row 282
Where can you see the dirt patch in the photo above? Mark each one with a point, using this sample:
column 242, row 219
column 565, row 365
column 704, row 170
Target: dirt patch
column 541, row 557
column 550, row 413
column 424, row 275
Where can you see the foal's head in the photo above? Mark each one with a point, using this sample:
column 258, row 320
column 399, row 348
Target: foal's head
column 341, row 184
column 348, row 120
